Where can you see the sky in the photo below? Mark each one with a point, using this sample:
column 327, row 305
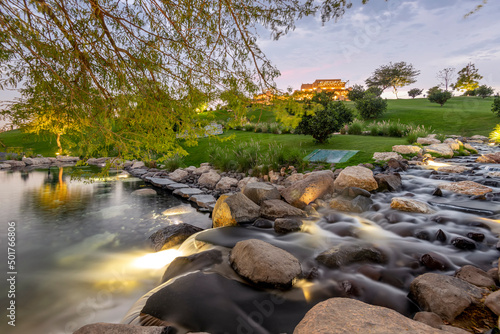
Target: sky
column 430, row 34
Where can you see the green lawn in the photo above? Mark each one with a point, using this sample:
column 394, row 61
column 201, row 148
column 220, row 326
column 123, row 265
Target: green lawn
column 17, row 141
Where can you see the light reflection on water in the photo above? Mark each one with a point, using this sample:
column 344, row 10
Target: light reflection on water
column 76, row 247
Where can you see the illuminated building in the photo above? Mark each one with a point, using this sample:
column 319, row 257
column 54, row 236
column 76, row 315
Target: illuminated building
column 335, row 86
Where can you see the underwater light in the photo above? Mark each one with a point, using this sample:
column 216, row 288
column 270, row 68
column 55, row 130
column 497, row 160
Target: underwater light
column 157, row 260
column 436, row 164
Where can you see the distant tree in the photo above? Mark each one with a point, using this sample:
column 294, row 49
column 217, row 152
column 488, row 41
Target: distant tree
column 495, row 107
column 446, row 76
column 414, row 92
column 437, row 95
column 374, row 90
column 484, row 91
column 371, row 106
column 357, row 92
column 468, row 78
column 395, row 75
column 323, row 98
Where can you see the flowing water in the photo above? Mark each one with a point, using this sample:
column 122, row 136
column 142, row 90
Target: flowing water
column 80, row 247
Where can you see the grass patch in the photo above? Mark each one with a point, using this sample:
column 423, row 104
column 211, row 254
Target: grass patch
column 24, row 142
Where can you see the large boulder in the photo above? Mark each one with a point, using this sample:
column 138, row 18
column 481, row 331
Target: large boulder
column 454, row 144
column 293, row 178
column 384, row 156
column 233, row 210
column 356, row 176
column 491, row 158
column 178, row 175
column 390, row 182
column 265, row 264
column 314, row 185
column 275, row 208
column 343, row 315
column 198, row 261
column 441, row 150
column 444, row 295
column 475, row 276
column 428, row 141
column 260, row 192
column 346, row 254
column 407, row 149
column 106, row 328
column 225, row 183
column 172, row 235
column 409, row 205
column 209, row 180
column 470, row 188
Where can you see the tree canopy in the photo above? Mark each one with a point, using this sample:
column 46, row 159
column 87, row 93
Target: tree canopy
column 446, row 76
column 468, row 78
column 130, row 72
column 395, row 75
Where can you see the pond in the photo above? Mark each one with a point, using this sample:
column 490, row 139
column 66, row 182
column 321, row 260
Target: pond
column 79, row 246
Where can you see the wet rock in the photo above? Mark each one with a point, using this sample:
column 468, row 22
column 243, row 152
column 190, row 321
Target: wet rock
column 287, row 225
column 390, row 182
column 437, row 192
column 444, row 295
column 479, row 237
column 314, row 185
column 440, row 235
column 491, row 158
column 409, row 205
column 172, row 235
column 470, row 148
column 144, row 192
column 105, row 328
column 453, row 330
column 361, row 203
column 160, row 182
column 466, row 188
column 493, row 302
column 178, row 175
column 428, row 141
column 407, row 149
column 454, row 144
column 441, row 150
column 384, row 156
column 429, row 318
column 343, row 315
column 202, row 170
column 341, row 203
column 452, row 169
column 356, row 176
column 463, row 243
column 203, row 200
column 173, row 186
column 233, row 210
column 187, row 192
column 246, row 180
column 225, row 183
column 5, row 166
column 434, row 261
column 263, row 223
column 275, row 208
column 353, row 192
column 260, row 192
column 346, row 254
column 263, row 263
column 475, row 276
column 209, row 180
column 197, row 261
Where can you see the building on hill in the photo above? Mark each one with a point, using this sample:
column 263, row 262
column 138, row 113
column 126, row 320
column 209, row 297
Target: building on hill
column 335, row 86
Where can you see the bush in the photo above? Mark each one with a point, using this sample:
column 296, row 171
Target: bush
column 173, row 163
column 495, row 135
column 371, row 106
column 396, row 130
column 416, row 132
column 249, row 127
column 355, row 128
column 484, row 91
column 439, row 96
column 375, row 91
column 356, row 93
column 495, row 107
column 414, row 92
column 375, row 130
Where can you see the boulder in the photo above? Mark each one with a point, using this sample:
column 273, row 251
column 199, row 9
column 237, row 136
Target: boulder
column 4, row 166
column 137, row 165
column 390, row 182
column 452, row 169
column 187, row 192
column 259, row 192
column 209, row 180
column 343, row 315
column 493, row 302
column 396, row 165
column 470, row 148
column 172, row 235
column 233, row 210
column 37, row 161
column 275, row 208
column 314, row 185
column 144, row 192
column 356, row 176
column 480, row 137
column 454, row 144
column 287, row 225
column 384, row 156
column 68, row 159
column 202, row 169
column 203, row 200
column 409, row 205
column 346, row 254
column 178, row 175
column 475, row 276
column 444, row 295
column 225, row 183
column 265, row 264
column 105, row 328
column 407, row 149
column 293, row 178
column 492, row 158
column 470, row 188
column 429, row 318
column 428, row 141
column 358, row 204
column 15, row 163
column 198, row 261
column 246, row 180
column 441, row 150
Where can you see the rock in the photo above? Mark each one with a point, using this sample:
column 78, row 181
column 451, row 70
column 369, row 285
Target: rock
column 463, row 243
column 178, row 175
column 396, row 165
column 314, row 185
column 435, row 261
column 429, row 318
column 480, row 137
column 203, row 201
column 454, row 330
column 390, row 182
column 137, row 165
column 409, row 205
column 470, row 188
column 202, row 169
column 407, row 149
column 441, row 150
column 444, row 295
column 190, row 169
column 454, row 144
column 492, row 158
column 346, row 254
column 356, row 176
column 384, row 156
column 476, row 236
column 343, row 315
column 160, row 182
column 493, row 302
column 198, row 261
column 15, row 163
column 173, row 186
column 263, row 263
column 144, row 192
column 105, row 328
column 226, row 183
column 470, row 148
column 428, row 141
column 68, row 159
column 475, row 276
column 5, row 166
column 209, row 180
column 273, row 176
column 452, row 169
column 293, row 178
column 36, row 161
column 259, row 192
column 233, row 210
column 353, row 192
column 246, row 180
column 358, row 204
column 287, row 225
column 263, row 223
column 275, row 208
column 187, row 192
column 172, row 235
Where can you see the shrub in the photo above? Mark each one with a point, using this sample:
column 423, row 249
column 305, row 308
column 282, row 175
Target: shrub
column 249, row 127
column 414, row 92
column 356, row 93
column 173, row 163
column 484, row 91
column 439, row 96
column 416, row 132
column 371, row 106
column 495, row 135
column 375, row 130
column 375, row 91
column 355, row 128
column 495, row 107
column 396, row 130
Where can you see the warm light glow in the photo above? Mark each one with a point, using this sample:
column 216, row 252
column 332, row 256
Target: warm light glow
column 123, row 175
column 180, row 210
column 491, row 144
column 307, row 288
column 432, row 163
column 157, row 260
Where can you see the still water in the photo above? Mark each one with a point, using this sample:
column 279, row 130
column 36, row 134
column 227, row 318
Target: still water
column 79, row 247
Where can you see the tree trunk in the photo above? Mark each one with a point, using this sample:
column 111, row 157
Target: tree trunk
column 58, row 140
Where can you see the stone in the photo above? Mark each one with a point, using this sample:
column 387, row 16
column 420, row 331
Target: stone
column 396, row 165
column 265, row 264
column 480, row 137
column 454, row 144
column 202, row 169
column 470, row 148
column 293, row 178
column 259, row 192
column 353, row 192
column 209, row 180
column 441, row 150
column 225, row 183
column 407, row 149
column 198, row 261
column 358, row 204
column 390, row 182
column 384, row 156
column 434, row 261
column 263, row 223
column 202, row 200
column 246, row 180
column 106, row 328
column 452, row 169
column 178, row 175
column 475, row 276
column 491, row 158
column 428, row 141
column 173, row 186
column 275, row 208
column 470, row 188
column 453, row 330
column 463, row 243
column 444, row 295
column 429, row 318
column 144, row 192
column 492, row 301
column 137, row 165
column 172, row 235
column 409, row 205
column 190, row 169
column 314, row 185
column 187, row 192
column 67, row 159
column 233, row 210
column 287, row 225
column 356, row 176
column 36, row 161
column 5, row 166
column 344, row 315
column 346, row 254
column 15, row 163
column 160, row 182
